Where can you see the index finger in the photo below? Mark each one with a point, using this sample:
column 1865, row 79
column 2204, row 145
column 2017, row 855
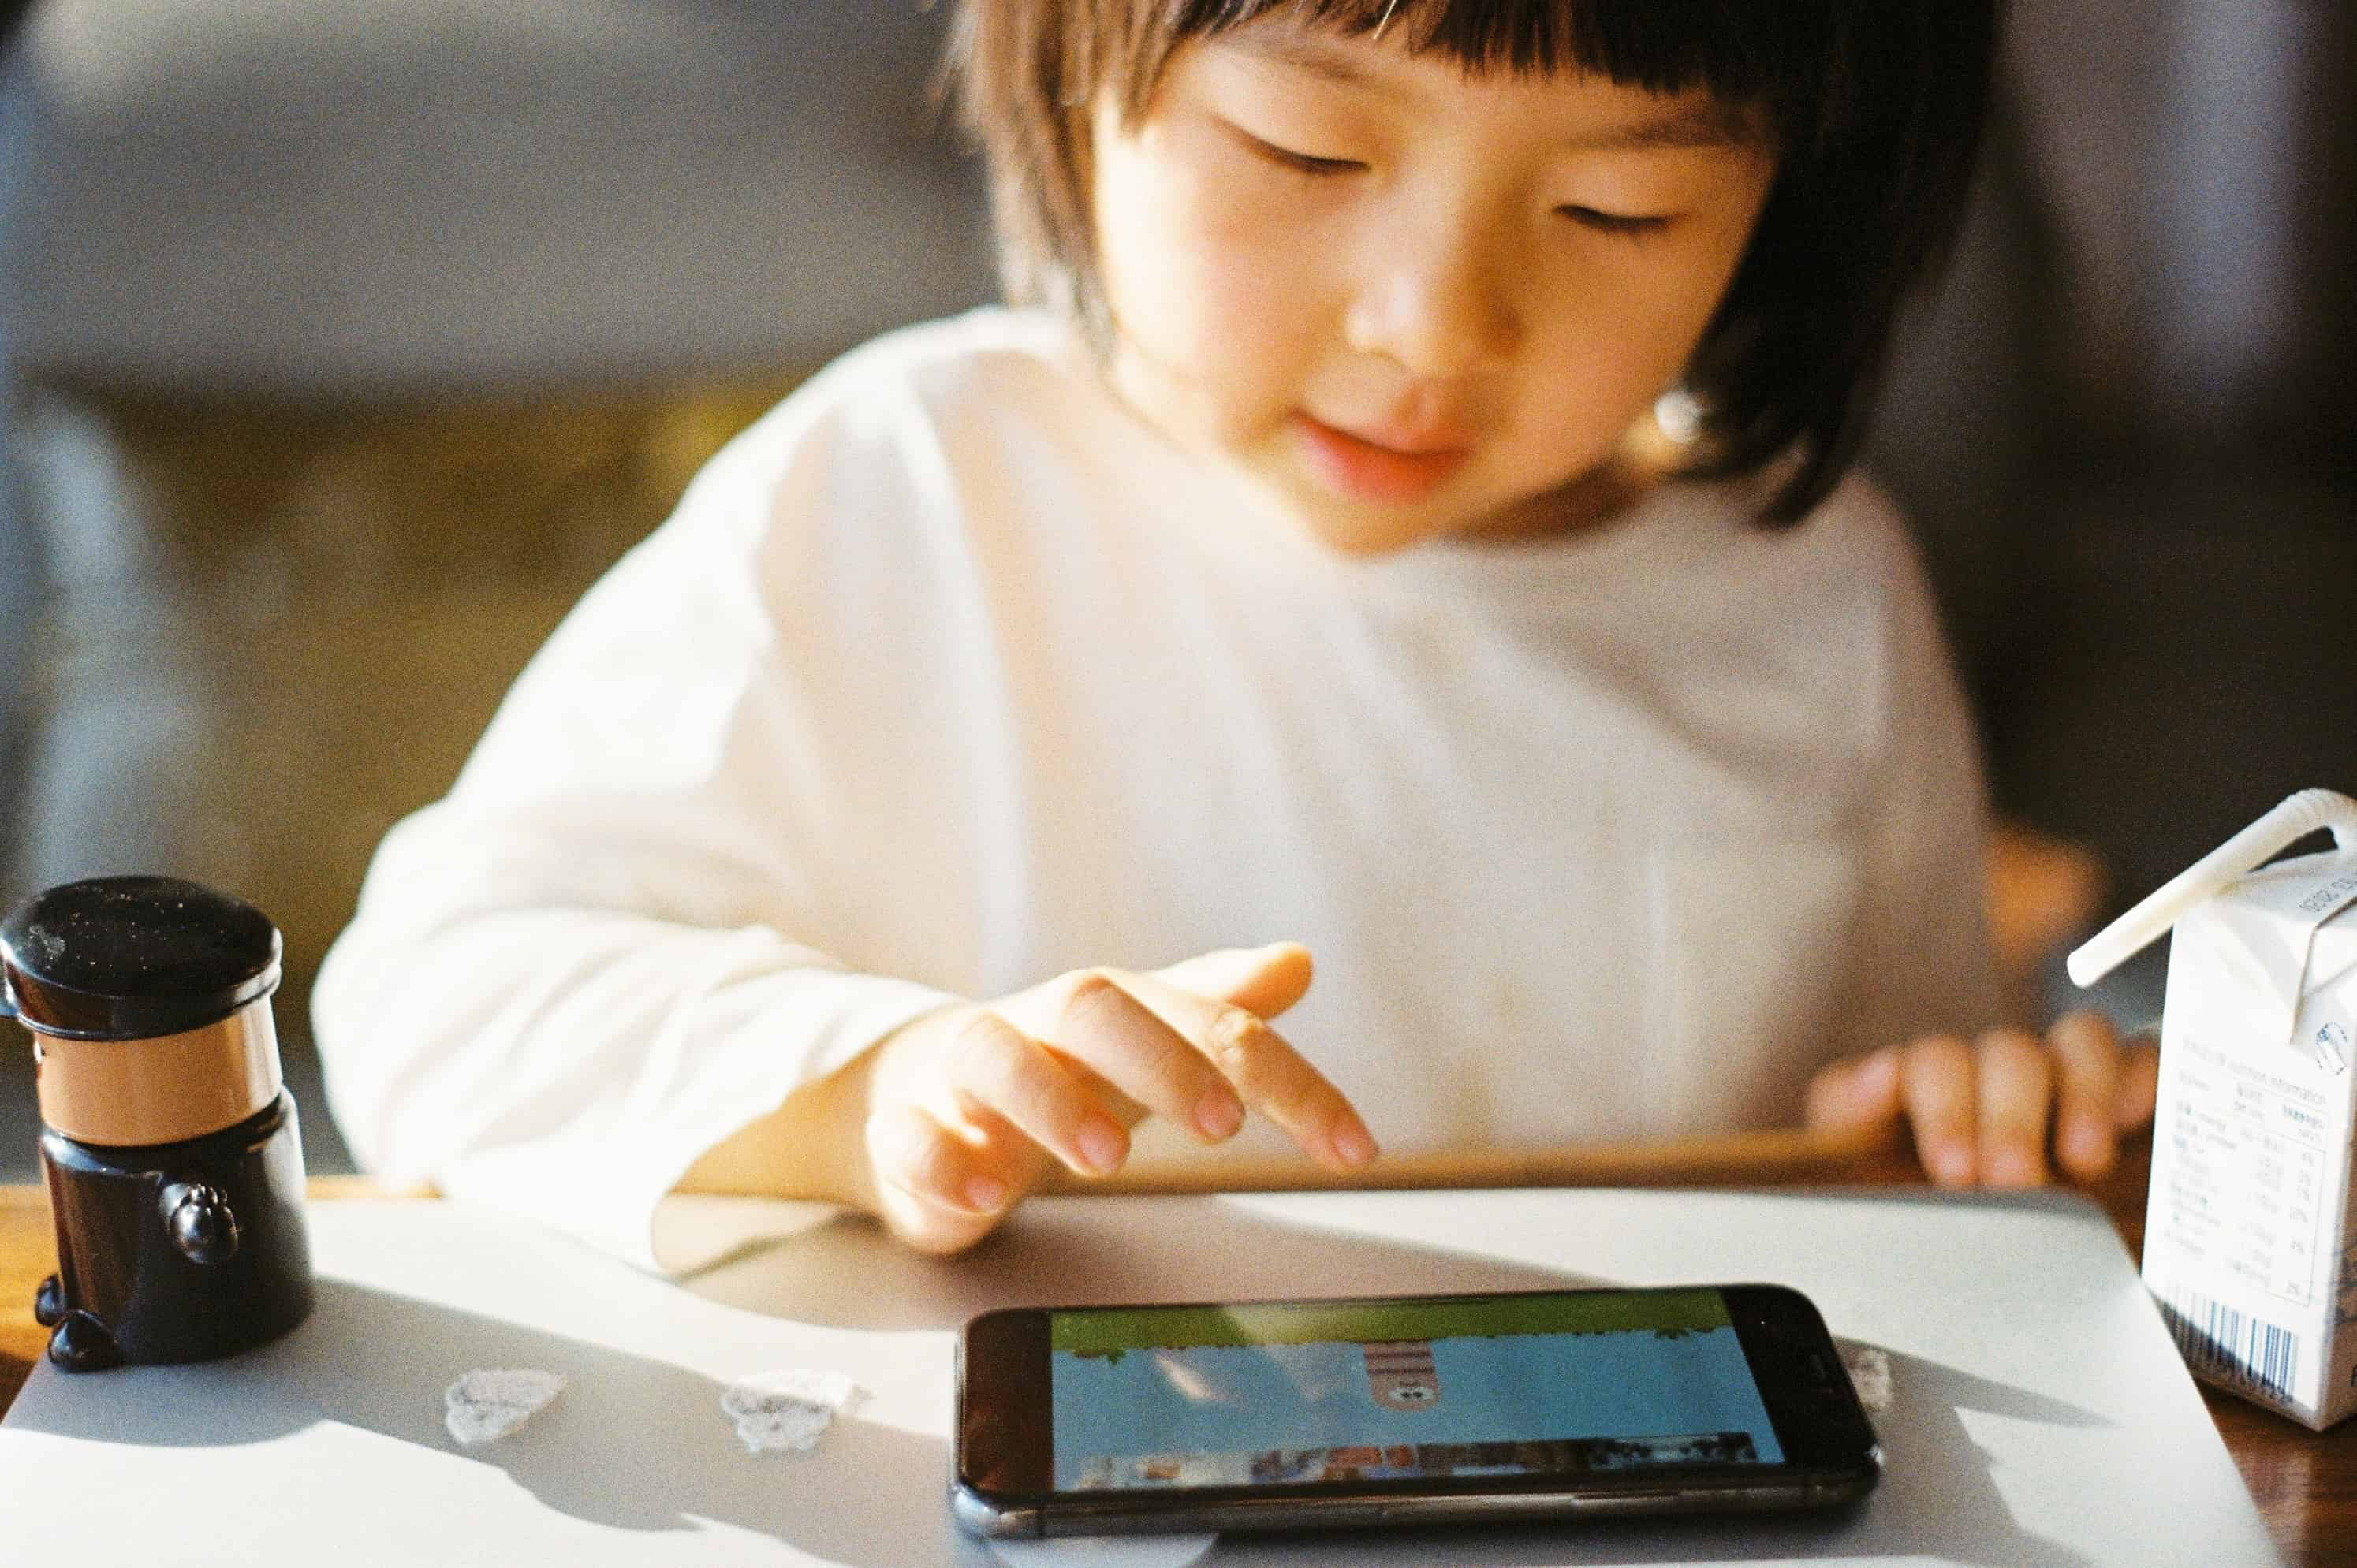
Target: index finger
column 1268, row 1073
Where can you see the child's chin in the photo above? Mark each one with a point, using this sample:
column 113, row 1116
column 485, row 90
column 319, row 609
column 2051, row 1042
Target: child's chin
column 1365, row 536
column 1347, row 529
column 1344, row 524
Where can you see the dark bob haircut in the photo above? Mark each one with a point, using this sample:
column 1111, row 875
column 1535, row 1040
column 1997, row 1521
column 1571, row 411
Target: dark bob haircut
column 1875, row 109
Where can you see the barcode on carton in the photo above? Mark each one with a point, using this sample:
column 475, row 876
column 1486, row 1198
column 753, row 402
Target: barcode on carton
column 2220, row 1342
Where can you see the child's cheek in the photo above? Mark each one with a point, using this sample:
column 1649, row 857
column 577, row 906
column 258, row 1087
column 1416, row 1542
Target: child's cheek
column 1207, row 264
column 1226, row 310
column 1254, row 275
column 1255, row 252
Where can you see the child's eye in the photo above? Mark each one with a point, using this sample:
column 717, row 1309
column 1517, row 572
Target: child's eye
column 1300, row 163
column 1307, row 164
column 1626, row 225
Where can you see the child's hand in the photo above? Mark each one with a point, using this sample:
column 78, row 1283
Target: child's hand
column 1981, row 1112
column 967, row 1106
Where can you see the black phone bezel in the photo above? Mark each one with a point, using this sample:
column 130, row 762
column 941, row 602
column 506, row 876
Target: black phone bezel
column 1005, row 1454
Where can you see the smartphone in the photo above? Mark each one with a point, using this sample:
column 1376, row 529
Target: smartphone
column 1448, row 1409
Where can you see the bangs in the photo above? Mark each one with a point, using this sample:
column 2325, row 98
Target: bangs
column 1778, row 57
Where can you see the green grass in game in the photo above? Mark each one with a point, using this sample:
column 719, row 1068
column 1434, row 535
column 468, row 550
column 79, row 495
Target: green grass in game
column 1110, row 1331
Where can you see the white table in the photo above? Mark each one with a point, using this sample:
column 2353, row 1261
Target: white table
column 2040, row 1414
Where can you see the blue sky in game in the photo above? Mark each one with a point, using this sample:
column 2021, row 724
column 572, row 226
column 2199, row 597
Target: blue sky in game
column 1515, row 1387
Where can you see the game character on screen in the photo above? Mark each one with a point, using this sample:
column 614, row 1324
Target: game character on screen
column 1401, row 1374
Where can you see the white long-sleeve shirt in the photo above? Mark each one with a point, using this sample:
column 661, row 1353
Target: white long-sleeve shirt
column 951, row 675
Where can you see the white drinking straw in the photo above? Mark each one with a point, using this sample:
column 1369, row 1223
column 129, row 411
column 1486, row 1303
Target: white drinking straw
column 2299, row 816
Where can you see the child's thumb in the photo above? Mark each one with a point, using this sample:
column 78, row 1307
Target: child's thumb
column 1266, row 981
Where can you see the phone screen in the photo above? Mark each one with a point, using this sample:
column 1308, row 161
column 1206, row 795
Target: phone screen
column 1295, row 1393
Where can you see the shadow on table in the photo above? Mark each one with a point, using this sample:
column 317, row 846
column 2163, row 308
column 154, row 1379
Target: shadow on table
column 844, row 1272
column 633, row 1444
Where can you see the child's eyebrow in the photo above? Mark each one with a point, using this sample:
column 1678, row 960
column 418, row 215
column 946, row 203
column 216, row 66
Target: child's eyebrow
column 1697, row 121
column 1703, row 123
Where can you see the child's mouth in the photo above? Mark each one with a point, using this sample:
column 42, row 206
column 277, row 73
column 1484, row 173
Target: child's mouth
column 1368, row 470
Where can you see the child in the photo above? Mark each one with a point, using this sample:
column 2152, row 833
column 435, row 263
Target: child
column 1287, row 577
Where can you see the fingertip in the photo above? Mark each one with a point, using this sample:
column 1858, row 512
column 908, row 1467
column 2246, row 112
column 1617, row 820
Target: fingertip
column 1263, row 979
column 935, row 1229
column 2015, row 1168
column 1950, row 1165
column 2085, row 1150
column 1354, row 1146
column 2084, row 1024
column 1287, row 972
column 1856, row 1093
column 1103, row 1147
column 1219, row 1114
column 2139, row 1088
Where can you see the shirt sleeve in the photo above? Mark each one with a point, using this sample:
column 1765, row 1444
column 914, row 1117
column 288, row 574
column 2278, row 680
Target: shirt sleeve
column 605, row 952
column 1922, row 957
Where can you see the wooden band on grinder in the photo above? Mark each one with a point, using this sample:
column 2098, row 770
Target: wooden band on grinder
column 131, row 1093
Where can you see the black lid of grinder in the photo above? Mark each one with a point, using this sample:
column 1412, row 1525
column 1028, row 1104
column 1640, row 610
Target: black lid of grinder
column 127, row 958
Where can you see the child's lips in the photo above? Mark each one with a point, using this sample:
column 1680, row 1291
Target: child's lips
column 1380, row 466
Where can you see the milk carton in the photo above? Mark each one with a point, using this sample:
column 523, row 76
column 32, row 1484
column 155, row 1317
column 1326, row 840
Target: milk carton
column 2250, row 1230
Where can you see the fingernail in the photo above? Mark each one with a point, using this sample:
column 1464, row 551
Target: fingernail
column 1952, row 1165
column 985, row 1195
column 1352, row 1145
column 1220, row 1114
column 2011, row 1167
column 1100, row 1145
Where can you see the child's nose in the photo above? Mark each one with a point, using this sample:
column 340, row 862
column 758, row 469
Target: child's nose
column 1438, row 308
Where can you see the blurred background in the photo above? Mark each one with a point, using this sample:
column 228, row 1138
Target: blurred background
column 351, row 340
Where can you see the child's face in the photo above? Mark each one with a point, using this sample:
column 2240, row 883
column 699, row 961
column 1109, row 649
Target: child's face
column 1404, row 301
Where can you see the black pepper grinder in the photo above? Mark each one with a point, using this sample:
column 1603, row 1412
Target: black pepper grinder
column 168, row 1140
